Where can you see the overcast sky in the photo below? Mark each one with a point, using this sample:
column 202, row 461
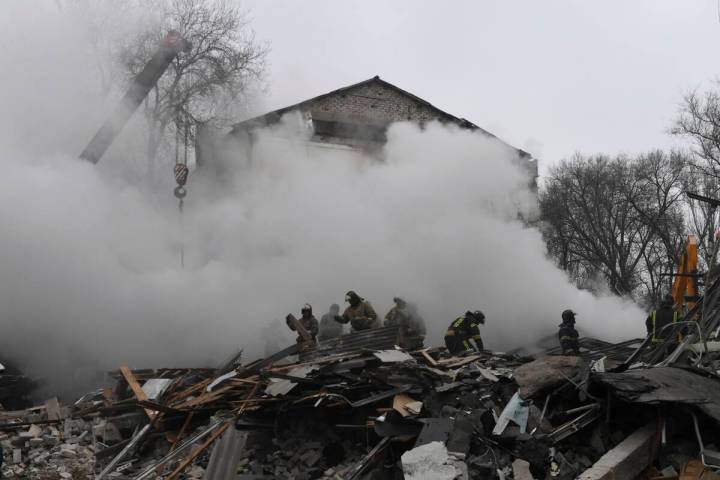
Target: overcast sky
column 552, row 77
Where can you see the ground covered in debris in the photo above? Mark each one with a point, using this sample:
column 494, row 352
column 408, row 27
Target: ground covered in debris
column 359, row 408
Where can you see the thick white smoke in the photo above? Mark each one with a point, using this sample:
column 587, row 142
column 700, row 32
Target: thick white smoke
column 89, row 263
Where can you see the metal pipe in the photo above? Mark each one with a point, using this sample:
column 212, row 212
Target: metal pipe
column 582, row 409
column 175, row 453
column 123, row 452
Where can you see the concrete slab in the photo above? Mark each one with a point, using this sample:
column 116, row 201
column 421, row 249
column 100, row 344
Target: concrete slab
column 627, row 459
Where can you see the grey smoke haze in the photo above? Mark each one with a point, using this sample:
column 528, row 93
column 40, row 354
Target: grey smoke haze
column 89, row 257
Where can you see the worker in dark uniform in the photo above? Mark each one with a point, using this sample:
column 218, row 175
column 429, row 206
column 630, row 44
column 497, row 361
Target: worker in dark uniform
column 329, row 328
column 308, row 322
column 360, row 314
column 463, row 334
column 567, row 334
column 658, row 319
column 411, row 327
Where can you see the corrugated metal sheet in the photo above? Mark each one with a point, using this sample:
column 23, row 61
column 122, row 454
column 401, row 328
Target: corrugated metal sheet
column 226, row 455
column 383, row 338
column 595, row 349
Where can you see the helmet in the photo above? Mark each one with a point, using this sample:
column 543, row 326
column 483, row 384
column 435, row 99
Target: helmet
column 399, row 301
column 334, row 307
column 477, row 315
column 568, row 315
column 306, row 308
column 352, row 297
column 668, row 300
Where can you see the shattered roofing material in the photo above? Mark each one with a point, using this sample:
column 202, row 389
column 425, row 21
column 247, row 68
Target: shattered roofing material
column 374, row 339
column 392, row 356
column 594, row 349
column 665, row 384
column 283, row 386
column 155, row 386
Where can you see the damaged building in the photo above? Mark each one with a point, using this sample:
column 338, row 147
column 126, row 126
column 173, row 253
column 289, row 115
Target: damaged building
column 350, row 122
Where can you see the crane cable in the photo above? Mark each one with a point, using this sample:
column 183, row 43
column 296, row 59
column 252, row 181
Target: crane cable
column 181, row 175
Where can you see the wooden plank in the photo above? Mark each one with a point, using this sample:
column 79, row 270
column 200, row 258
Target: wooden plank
column 299, row 328
column 200, row 386
column 136, row 388
column 429, row 359
column 187, row 461
column 52, row 407
column 204, row 398
column 461, row 362
column 318, row 361
column 175, row 440
column 399, row 402
column 245, row 381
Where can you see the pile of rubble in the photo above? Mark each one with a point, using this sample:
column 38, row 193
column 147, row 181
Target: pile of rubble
column 46, row 448
column 357, row 407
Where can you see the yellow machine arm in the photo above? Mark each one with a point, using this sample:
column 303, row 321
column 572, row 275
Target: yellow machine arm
column 685, row 284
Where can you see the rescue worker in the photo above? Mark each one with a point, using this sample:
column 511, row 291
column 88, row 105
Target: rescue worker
column 411, row 327
column 567, row 334
column 308, row 322
column 463, row 334
column 329, row 328
column 359, row 314
column 665, row 315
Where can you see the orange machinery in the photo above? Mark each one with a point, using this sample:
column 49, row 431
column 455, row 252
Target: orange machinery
column 685, row 286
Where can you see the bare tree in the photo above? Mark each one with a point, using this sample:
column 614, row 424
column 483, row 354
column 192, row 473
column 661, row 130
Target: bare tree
column 203, row 85
column 618, row 218
column 699, row 122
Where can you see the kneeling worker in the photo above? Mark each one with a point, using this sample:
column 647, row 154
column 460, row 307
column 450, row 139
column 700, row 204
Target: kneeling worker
column 464, row 333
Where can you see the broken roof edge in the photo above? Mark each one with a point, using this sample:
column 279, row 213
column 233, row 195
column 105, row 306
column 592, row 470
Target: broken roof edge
column 274, row 116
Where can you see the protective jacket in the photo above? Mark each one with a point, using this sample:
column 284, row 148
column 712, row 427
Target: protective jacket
column 309, row 324
column 459, row 334
column 411, row 328
column 329, row 328
column 568, row 337
column 360, row 317
column 657, row 320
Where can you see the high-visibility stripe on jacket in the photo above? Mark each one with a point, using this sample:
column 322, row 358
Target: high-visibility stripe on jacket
column 457, row 326
column 454, row 326
column 655, row 339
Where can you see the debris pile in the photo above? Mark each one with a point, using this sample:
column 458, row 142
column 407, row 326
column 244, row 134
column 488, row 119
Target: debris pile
column 37, row 443
column 358, row 408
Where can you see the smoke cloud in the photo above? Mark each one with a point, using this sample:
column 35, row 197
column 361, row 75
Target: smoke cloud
column 89, row 257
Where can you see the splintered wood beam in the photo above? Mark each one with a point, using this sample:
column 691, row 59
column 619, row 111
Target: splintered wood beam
column 299, row 328
column 137, row 389
column 189, row 391
column 429, row 359
column 187, row 461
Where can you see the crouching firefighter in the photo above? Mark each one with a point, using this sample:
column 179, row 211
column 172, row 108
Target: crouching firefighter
column 660, row 318
column 464, row 333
